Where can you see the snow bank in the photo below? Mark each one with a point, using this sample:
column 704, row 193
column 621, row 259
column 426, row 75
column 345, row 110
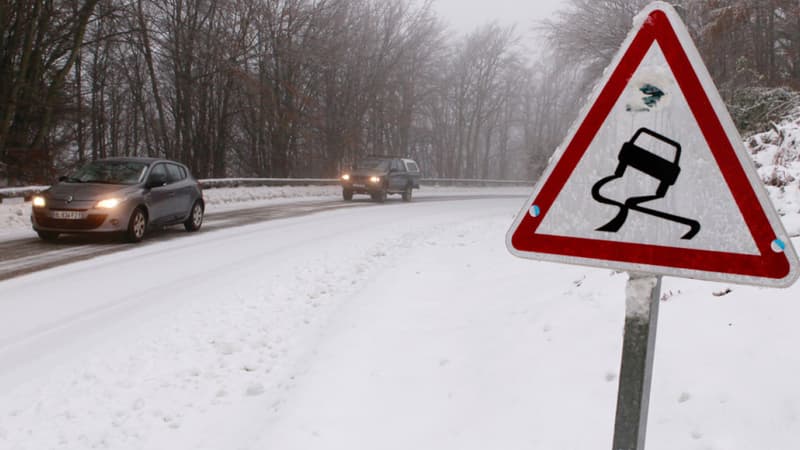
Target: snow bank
column 776, row 154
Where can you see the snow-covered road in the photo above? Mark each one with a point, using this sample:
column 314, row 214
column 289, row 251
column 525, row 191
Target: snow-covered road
column 21, row 251
column 395, row 327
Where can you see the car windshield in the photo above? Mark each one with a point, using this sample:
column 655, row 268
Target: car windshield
column 109, row 172
column 373, row 163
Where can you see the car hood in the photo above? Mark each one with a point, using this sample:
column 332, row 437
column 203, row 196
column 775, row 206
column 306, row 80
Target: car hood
column 88, row 191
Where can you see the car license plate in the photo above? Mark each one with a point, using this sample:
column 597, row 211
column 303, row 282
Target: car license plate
column 358, row 185
column 68, row 215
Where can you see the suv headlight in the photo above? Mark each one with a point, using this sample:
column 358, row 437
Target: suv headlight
column 346, row 177
column 375, row 179
column 39, row 201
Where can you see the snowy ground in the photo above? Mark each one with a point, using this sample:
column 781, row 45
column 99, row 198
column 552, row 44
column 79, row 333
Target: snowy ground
column 776, row 154
column 398, row 327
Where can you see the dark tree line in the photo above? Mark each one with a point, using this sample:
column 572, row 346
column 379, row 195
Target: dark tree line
column 301, row 88
column 751, row 48
column 275, row 88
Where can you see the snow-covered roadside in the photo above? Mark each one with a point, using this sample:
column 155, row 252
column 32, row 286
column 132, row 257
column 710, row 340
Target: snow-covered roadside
column 15, row 214
column 491, row 352
column 776, row 154
column 209, row 325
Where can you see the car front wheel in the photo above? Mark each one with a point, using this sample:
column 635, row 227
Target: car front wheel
column 136, row 226
column 347, row 194
column 195, row 219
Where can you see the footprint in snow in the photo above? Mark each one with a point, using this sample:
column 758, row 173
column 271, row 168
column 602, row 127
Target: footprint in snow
column 225, row 348
column 254, row 389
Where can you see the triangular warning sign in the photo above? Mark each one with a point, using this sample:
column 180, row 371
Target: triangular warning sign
column 654, row 176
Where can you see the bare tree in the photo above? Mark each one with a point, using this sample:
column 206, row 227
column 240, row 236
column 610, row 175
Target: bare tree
column 39, row 45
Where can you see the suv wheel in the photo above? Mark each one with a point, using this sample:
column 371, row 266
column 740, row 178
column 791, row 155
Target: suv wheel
column 379, row 196
column 347, row 194
column 136, row 226
column 407, row 194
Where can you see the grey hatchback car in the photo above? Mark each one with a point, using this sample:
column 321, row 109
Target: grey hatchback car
column 120, row 195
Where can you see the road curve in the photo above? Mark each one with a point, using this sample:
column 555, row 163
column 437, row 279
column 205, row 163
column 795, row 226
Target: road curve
column 23, row 256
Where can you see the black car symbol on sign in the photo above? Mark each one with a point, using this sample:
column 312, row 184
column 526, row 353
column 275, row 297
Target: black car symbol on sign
column 665, row 171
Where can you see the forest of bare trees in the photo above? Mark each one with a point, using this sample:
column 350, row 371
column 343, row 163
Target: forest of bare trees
column 301, row 88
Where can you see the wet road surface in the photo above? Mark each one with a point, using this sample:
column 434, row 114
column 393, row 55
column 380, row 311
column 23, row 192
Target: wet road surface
column 23, row 256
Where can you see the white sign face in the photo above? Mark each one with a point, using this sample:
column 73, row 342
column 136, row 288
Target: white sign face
column 655, row 177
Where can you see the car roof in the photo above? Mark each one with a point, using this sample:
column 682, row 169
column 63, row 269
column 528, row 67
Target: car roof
column 130, row 159
column 139, row 159
column 385, row 157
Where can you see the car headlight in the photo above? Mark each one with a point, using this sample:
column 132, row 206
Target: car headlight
column 375, row 179
column 346, row 177
column 39, row 201
column 108, row 203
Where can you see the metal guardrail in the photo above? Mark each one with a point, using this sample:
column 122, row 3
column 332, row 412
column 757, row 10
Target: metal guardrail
column 211, row 183
column 27, row 192
column 474, row 182
column 249, row 182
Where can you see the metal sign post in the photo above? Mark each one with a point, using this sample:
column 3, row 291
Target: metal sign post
column 638, row 347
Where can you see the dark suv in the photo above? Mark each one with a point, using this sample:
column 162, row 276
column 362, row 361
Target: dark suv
column 379, row 176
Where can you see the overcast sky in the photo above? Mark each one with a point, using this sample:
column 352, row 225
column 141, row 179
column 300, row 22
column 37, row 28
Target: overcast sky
column 466, row 15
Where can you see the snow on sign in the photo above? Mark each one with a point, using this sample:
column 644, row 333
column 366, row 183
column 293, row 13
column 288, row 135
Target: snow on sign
column 654, row 176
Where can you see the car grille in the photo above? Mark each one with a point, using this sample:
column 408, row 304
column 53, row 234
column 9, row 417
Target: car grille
column 91, row 222
column 359, row 179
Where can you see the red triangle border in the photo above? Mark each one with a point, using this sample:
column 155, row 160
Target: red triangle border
column 769, row 264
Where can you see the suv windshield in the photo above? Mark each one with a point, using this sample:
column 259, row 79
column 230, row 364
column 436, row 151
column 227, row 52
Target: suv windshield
column 109, row 172
column 373, row 163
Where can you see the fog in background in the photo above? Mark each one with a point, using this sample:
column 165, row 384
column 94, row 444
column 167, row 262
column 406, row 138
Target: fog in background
column 302, row 88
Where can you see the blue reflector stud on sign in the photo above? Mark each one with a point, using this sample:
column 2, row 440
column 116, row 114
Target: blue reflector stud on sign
column 535, row 211
column 778, row 246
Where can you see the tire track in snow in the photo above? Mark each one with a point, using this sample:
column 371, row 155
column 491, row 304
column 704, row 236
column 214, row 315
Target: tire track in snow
column 234, row 332
column 23, row 256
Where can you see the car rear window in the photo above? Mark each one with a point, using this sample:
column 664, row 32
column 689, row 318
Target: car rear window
column 411, row 166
